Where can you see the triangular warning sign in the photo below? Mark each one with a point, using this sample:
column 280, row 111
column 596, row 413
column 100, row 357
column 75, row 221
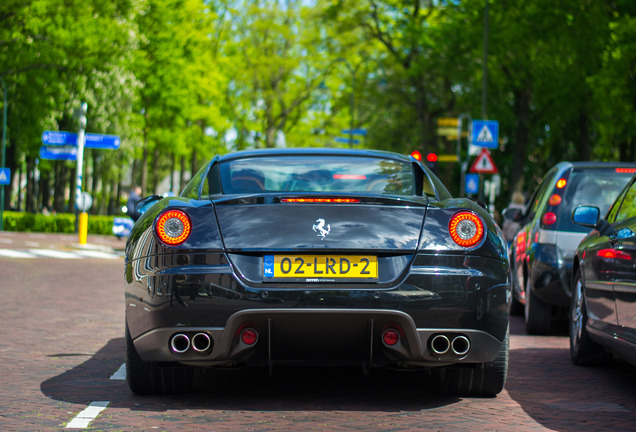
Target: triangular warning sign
column 485, row 136
column 484, row 164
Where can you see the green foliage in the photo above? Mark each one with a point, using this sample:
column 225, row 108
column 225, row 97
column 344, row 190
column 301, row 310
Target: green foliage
column 61, row 223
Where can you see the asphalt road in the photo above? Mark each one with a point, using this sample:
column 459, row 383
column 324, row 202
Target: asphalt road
column 62, row 349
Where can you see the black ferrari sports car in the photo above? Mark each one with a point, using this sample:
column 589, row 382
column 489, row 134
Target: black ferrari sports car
column 316, row 256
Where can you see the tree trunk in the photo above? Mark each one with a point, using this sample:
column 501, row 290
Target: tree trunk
column 519, row 147
column 30, row 187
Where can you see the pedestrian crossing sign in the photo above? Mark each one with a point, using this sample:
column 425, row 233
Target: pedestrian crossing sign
column 5, row 176
column 485, row 133
column 484, row 164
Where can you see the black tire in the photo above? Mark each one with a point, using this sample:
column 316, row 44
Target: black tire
column 485, row 379
column 147, row 378
column 583, row 350
column 537, row 313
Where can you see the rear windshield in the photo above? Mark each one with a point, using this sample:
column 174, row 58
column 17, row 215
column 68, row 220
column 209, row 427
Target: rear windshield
column 317, row 174
column 597, row 188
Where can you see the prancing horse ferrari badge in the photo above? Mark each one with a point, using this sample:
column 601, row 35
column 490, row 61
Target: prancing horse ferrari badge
column 319, row 227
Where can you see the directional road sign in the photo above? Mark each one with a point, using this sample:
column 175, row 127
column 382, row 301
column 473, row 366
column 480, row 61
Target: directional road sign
column 347, row 140
column 5, row 176
column 58, row 152
column 94, row 141
column 484, row 164
column 485, row 133
column 354, row 132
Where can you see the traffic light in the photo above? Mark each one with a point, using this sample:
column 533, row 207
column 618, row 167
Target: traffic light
column 431, row 162
column 416, row 155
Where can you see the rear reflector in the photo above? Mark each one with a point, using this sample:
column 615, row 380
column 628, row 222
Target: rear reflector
column 390, row 337
column 249, row 336
column 321, row 200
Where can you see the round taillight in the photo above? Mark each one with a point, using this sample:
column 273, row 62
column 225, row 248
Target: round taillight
column 555, row 200
column 173, row 227
column 561, row 183
column 390, row 337
column 466, row 229
column 249, row 336
column 549, row 218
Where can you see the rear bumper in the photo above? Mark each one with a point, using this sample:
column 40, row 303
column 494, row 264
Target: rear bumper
column 453, row 295
column 321, row 335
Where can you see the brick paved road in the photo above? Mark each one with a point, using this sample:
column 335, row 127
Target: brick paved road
column 62, row 328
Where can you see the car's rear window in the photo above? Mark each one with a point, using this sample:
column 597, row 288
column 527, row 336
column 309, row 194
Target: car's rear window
column 317, row 174
column 594, row 187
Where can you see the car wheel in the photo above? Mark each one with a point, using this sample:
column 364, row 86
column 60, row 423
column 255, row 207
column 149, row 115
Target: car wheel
column 146, row 378
column 583, row 350
column 485, row 379
column 536, row 312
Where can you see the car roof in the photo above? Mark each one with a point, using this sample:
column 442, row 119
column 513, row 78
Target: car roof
column 311, row 151
column 596, row 165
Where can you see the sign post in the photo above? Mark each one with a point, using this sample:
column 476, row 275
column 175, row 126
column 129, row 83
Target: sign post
column 3, row 144
column 83, row 228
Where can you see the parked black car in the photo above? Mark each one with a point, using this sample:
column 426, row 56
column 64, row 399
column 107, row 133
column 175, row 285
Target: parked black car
column 543, row 249
column 603, row 307
column 328, row 256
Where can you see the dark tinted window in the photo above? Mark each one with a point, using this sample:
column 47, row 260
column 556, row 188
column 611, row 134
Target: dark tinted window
column 594, row 187
column 318, row 174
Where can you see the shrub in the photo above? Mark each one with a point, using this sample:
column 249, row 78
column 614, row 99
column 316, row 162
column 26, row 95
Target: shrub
column 61, row 223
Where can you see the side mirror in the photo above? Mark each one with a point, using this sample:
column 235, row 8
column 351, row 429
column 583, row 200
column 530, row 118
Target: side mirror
column 586, row 216
column 513, row 214
column 142, row 205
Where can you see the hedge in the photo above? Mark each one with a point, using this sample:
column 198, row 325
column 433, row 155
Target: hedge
column 62, row 223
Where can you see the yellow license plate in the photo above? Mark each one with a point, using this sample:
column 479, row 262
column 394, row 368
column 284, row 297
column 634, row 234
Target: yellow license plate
column 320, row 268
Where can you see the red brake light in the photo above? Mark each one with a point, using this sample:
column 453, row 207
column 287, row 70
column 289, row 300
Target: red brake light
column 390, row 337
column 561, row 183
column 431, row 157
column 416, row 155
column 173, row 227
column 549, row 218
column 625, row 170
column 321, row 200
column 555, row 200
column 466, row 229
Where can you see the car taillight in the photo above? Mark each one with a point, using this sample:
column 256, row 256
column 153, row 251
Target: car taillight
column 625, row 170
column 321, row 200
column 555, row 200
column 173, row 227
column 549, row 218
column 466, row 229
column 560, row 184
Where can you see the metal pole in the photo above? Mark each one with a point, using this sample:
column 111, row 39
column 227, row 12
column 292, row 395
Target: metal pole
column 4, row 137
column 80, row 156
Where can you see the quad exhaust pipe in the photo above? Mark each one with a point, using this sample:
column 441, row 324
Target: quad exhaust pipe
column 458, row 345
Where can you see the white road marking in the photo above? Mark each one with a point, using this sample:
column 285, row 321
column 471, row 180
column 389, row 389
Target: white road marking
column 53, row 253
column 9, row 253
column 95, row 254
column 31, row 244
column 120, row 374
column 83, row 419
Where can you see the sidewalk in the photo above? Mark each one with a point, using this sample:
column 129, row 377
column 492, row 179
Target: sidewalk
column 20, row 240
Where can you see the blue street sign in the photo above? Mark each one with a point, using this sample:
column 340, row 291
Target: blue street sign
column 104, row 142
column 472, row 183
column 354, row 132
column 347, row 140
column 485, row 133
column 94, row 141
column 5, row 176
column 59, row 138
column 58, row 152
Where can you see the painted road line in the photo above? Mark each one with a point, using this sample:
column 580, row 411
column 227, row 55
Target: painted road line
column 83, row 419
column 96, row 254
column 10, row 253
column 32, row 244
column 120, row 374
column 53, row 253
